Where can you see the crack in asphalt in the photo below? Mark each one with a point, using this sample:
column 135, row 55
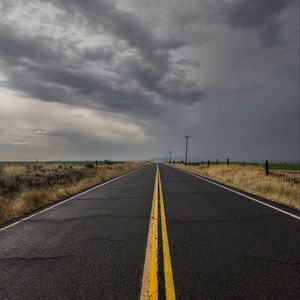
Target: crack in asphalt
column 110, row 239
column 85, row 217
column 267, row 260
column 239, row 254
column 106, row 198
column 273, row 260
column 35, row 258
column 238, row 220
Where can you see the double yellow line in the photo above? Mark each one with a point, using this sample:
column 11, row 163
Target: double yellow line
column 150, row 286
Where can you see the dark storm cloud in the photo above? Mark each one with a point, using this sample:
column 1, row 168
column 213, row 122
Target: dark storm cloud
column 6, row 6
column 55, row 70
column 146, row 82
column 151, row 64
column 153, row 67
column 188, row 62
column 121, row 24
column 15, row 46
column 261, row 15
column 97, row 53
column 76, row 87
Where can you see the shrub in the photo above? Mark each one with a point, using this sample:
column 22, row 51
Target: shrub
column 89, row 165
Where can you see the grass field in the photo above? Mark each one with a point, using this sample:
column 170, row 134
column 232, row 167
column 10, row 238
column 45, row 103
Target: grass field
column 55, row 162
column 281, row 186
column 285, row 166
column 26, row 186
column 272, row 166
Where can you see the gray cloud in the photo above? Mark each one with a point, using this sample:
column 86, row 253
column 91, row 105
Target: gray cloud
column 153, row 66
column 263, row 17
column 188, row 62
column 6, row 6
column 120, row 23
column 16, row 45
column 94, row 147
column 53, row 70
column 97, row 54
column 165, row 68
column 260, row 15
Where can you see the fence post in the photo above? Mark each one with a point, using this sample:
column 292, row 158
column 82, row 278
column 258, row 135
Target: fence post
column 227, row 161
column 267, row 167
column 217, row 161
column 208, row 163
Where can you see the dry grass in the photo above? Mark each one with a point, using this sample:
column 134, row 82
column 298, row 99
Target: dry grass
column 23, row 189
column 280, row 187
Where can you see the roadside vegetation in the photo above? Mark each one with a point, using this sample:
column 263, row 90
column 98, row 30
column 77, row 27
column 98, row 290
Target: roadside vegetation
column 28, row 186
column 281, row 186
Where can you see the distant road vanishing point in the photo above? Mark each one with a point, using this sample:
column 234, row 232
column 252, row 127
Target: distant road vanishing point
column 154, row 233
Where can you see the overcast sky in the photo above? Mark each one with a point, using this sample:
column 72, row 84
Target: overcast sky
column 127, row 79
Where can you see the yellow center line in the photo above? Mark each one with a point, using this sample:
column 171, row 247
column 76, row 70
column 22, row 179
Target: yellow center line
column 169, row 282
column 150, row 276
column 153, row 287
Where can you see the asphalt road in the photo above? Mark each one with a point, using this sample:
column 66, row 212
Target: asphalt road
column 92, row 247
column 222, row 245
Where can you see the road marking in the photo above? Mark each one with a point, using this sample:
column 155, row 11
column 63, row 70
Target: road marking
column 241, row 194
column 146, row 273
column 169, row 282
column 150, row 279
column 67, row 200
column 153, row 285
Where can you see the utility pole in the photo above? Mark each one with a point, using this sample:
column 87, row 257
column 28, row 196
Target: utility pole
column 170, row 153
column 186, row 146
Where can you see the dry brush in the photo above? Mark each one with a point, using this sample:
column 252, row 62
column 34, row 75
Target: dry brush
column 280, row 187
column 24, row 188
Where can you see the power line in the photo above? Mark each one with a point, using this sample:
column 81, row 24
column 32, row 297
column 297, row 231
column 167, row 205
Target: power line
column 260, row 66
column 283, row 68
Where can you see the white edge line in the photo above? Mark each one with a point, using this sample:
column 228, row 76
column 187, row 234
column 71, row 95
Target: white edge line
column 241, row 194
column 66, row 200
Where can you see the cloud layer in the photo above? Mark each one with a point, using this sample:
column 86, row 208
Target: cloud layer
column 132, row 73
column 157, row 68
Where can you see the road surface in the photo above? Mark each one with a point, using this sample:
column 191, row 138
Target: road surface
column 156, row 232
